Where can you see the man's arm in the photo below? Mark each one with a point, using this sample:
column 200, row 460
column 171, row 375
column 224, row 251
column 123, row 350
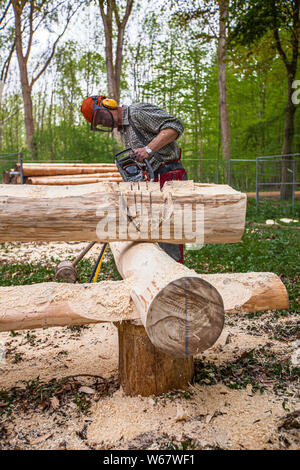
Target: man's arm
column 163, row 138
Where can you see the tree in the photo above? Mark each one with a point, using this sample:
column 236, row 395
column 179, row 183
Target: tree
column 252, row 23
column 110, row 10
column 31, row 17
column 206, row 12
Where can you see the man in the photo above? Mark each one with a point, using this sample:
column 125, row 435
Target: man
column 151, row 132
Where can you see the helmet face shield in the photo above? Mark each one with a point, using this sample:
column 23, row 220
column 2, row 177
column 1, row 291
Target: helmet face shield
column 102, row 118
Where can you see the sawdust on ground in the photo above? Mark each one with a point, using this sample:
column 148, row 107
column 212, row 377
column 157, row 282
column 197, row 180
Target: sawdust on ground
column 208, row 417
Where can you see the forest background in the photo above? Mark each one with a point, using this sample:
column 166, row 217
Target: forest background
column 227, row 69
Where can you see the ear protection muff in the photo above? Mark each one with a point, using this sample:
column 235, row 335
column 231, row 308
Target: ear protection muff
column 109, row 103
column 100, row 103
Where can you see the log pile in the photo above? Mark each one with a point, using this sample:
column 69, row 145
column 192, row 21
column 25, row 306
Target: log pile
column 63, row 173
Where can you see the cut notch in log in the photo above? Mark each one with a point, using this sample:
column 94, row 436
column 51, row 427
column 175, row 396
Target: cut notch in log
column 70, row 213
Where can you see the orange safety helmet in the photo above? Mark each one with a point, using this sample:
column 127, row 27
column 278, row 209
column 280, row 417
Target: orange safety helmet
column 99, row 105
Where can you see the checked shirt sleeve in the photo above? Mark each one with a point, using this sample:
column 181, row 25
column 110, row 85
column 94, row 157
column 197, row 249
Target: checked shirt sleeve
column 153, row 119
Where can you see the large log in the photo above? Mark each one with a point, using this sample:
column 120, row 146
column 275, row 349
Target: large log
column 65, row 164
column 57, row 304
column 70, row 180
column 81, row 176
column 53, row 170
column 81, row 213
column 250, row 292
column 182, row 313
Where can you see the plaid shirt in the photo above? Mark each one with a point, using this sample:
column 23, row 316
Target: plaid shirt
column 150, row 120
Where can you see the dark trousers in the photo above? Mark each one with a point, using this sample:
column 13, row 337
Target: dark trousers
column 169, row 172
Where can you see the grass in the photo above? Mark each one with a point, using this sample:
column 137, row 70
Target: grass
column 262, row 248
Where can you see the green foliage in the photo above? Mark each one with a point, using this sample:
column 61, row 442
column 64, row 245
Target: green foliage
column 253, row 19
column 172, row 64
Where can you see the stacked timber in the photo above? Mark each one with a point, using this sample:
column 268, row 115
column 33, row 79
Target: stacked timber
column 58, row 174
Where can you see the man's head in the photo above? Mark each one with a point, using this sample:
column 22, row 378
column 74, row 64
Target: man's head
column 101, row 112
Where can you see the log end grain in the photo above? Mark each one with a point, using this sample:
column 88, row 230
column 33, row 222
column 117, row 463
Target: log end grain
column 186, row 317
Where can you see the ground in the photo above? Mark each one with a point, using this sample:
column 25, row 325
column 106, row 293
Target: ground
column 59, row 387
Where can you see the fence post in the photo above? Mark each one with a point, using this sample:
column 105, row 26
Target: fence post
column 21, row 167
column 294, row 181
column 217, row 171
column 229, row 172
column 257, row 182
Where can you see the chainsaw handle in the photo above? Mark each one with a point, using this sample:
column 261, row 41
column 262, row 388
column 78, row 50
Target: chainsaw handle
column 150, row 170
column 125, row 151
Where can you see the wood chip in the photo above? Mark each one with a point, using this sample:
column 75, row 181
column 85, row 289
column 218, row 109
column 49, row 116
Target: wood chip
column 181, row 414
column 87, row 390
column 41, row 439
column 54, row 402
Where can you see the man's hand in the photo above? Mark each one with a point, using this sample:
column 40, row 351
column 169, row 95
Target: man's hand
column 141, row 154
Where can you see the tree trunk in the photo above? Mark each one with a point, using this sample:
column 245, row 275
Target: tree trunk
column 26, row 88
column 287, row 149
column 223, row 111
column 144, row 370
column 114, row 65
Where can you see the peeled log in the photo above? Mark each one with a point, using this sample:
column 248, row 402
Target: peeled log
column 182, row 313
column 53, row 170
column 57, row 304
column 57, row 181
column 74, row 213
column 83, row 176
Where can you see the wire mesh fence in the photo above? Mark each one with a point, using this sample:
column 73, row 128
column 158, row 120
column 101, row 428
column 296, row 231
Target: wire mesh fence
column 267, row 176
column 278, row 176
column 275, row 176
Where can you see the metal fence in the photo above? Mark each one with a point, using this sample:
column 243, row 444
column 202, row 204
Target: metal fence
column 261, row 176
column 278, row 175
column 267, row 176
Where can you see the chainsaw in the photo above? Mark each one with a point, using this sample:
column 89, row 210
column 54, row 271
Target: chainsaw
column 130, row 170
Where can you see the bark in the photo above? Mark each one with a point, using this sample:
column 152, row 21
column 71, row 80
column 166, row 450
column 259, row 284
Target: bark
column 144, row 370
column 216, row 213
column 223, row 110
